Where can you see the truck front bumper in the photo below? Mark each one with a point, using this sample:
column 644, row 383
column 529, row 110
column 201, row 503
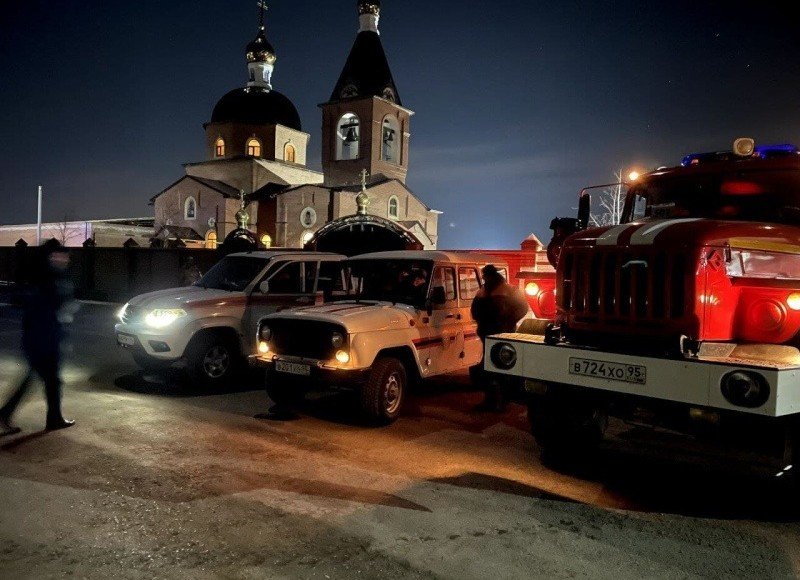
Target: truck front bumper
column 694, row 381
column 318, row 371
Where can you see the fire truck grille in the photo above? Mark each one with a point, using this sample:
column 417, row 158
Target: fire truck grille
column 624, row 288
column 304, row 338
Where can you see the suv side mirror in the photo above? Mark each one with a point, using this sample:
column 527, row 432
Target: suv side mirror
column 584, row 210
column 438, row 296
column 264, row 287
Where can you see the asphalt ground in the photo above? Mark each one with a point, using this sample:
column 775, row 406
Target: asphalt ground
column 160, row 480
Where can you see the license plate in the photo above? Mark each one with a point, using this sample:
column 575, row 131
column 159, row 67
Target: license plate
column 126, row 340
column 293, row 368
column 635, row 374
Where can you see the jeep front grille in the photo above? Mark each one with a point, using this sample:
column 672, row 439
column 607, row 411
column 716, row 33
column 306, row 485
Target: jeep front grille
column 304, row 338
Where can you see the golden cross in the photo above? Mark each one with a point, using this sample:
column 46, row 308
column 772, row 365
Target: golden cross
column 364, row 175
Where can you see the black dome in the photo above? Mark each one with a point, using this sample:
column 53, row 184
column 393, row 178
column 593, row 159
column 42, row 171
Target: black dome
column 256, row 106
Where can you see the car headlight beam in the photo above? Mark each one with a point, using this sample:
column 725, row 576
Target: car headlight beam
column 163, row 317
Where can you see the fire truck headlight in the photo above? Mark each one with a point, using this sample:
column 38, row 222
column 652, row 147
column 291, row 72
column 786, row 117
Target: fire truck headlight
column 745, row 389
column 793, row 301
column 504, row 356
column 532, row 289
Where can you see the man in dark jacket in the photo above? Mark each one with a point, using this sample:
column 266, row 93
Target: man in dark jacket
column 45, row 293
column 498, row 307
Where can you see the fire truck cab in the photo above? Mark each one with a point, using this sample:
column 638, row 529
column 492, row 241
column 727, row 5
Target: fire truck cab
column 685, row 317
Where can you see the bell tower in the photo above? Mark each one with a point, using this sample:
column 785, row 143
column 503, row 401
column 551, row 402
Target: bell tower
column 364, row 124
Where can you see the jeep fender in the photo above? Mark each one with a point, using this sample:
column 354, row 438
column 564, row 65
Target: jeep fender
column 365, row 347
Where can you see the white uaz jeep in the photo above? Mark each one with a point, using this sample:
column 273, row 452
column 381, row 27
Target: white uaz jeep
column 210, row 325
column 403, row 316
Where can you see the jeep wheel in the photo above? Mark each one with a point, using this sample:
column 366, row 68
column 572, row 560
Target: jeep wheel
column 213, row 359
column 567, row 429
column 284, row 393
column 384, row 392
column 150, row 364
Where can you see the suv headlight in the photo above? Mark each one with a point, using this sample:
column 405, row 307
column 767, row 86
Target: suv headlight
column 161, row 318
column 504, row 356
column 337, row 340
column 265, row 333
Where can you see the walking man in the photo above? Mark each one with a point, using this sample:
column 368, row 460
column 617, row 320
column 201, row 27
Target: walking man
column 498, row 307
column 46, row 292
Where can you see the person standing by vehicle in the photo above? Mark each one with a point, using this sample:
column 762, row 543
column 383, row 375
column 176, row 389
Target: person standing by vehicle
column 498, row 307
column 46, row 293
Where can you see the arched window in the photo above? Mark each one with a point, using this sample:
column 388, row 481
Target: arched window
column 307, row 237
column 289, row 153
column 254, row 147
column 190, row 209
column 390, row 149
column 219, row 147
column 394, row 207
column 348, row 137
column 266, row 241
column 211, row 240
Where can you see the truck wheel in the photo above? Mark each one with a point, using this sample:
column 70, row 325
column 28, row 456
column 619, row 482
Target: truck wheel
column 213, row 360
column 566, row 429
column 150, row 364
column 282, row 392
column 384, row 392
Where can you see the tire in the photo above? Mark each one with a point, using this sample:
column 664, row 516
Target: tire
column 567, row 429
column 284, row 393
column 213, row 360
column 150, row 364
column 383, row 394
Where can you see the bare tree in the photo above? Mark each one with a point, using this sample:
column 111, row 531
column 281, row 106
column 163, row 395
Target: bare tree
column 609, row 205
column 66, row 231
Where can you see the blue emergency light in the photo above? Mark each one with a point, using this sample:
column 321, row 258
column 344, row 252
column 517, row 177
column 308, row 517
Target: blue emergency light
column 759, row 152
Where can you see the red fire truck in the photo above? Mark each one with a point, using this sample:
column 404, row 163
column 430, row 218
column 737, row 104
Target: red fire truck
column 685, row 317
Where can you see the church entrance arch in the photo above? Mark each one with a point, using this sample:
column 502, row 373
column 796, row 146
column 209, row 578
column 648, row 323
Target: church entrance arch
column 361, row 234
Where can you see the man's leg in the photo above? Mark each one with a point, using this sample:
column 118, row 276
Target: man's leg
column 49, row 370
column 14, row 400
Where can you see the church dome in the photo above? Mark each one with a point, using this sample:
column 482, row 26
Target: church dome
column 260, row 50
column 256, row 106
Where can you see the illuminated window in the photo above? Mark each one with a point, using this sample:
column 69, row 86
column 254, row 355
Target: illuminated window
column 190, row 209
column 211, row 240
column 390, row 149
column 254, row 148
column 348, row 137
column 266, row 241
column 219, row 147
column 289, row 153
column 394, row 207
column 307, row 237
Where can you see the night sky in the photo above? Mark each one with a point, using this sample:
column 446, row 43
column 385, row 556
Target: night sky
column 519, row 104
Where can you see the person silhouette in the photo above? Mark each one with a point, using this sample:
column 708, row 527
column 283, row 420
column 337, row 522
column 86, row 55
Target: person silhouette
column 44, row 295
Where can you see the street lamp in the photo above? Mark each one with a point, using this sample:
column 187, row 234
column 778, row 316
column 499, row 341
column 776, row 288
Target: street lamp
column 634, row 175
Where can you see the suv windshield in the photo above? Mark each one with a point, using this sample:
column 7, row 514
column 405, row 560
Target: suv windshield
column 233, row 273
column 402, row 281
column 766, row 196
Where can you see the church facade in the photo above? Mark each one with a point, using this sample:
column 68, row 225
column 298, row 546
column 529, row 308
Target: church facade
column 257, row 149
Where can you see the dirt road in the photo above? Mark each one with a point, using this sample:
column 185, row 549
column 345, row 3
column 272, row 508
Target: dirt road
column 158, row 480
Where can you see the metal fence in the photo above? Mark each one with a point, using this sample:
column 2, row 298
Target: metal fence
column 117, row 274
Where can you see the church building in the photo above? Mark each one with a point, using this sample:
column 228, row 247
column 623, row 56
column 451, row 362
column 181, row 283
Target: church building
column 256, row 151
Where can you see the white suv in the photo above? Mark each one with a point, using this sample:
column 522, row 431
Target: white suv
column 210, row 325
column 404, row 316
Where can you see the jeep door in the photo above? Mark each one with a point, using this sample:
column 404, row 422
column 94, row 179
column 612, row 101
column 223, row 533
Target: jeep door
column 469, row 283
column 445, row 334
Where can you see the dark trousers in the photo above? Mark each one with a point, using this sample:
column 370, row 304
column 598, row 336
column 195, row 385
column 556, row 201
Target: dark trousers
column 47, row 367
